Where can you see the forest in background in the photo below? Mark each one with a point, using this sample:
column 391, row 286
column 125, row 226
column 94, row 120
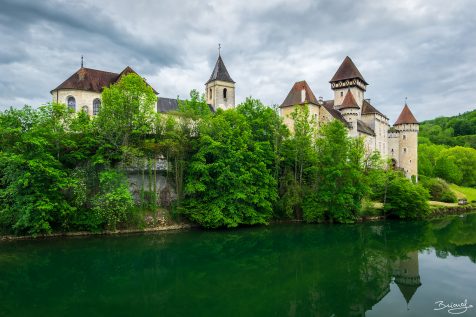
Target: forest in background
column 66, row 171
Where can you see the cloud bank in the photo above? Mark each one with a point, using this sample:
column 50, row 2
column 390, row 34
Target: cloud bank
column 423, row 50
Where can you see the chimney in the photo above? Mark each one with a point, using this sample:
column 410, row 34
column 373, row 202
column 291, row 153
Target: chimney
column 321, row 100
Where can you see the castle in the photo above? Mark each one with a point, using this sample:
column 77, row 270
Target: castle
column 82, row 91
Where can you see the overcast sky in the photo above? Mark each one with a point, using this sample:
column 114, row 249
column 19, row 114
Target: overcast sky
column 421, row 49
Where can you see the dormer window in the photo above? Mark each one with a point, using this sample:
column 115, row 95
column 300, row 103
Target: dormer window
column 72, row 103
column 224, row 93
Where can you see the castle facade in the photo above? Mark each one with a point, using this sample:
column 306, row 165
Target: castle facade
column 82, row 92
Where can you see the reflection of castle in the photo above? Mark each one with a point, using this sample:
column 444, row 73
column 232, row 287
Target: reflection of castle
column 378, row 276
column 407, row 275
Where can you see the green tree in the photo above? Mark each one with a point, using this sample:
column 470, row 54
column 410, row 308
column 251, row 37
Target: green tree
column 405, row 199
column 338, row 186
column 229, row 181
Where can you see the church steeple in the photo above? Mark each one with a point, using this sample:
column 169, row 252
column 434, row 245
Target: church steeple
column 220, row 88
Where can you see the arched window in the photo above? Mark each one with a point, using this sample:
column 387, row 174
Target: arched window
column 96, row 106
column 85, row 109
column 72, row 103
column 224, row 93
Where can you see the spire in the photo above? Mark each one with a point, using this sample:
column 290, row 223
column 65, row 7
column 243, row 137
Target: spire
column 220, row 72
column 347, row 70
column 349, row 101
column 406, row 117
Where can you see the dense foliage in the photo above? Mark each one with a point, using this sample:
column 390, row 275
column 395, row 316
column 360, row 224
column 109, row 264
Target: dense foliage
column 62, row 171
column 458, row 130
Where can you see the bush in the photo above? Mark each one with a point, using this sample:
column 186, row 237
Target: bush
column 114, row 199
column 405, row 199
column 438, row 189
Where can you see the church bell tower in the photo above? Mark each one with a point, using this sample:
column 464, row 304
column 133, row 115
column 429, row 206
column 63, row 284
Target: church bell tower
column 220, row 88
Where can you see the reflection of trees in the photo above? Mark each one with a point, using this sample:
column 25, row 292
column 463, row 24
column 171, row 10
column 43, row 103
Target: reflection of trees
column 279, row 270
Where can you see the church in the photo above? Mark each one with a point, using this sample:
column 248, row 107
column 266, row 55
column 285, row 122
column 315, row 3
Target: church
column 82, row 92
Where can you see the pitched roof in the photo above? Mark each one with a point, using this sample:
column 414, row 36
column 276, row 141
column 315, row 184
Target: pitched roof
column 406, row 117
column 295, row 95
column 220, row 72
column 94, row 80
column 349, row 101
column 329, row 105
column 165, row 105
column 407, row 290
column 347, row 70
column 88, row 79
column 367, row 108
column 362, row 127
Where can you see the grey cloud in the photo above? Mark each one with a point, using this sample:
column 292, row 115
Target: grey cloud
column 419, row 49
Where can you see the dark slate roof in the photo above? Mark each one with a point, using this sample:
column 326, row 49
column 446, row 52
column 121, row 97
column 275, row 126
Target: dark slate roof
column 406, row 117
column 362, row 127
column 347, row 70
column 89, row 79
column 367, row 108
column 165, row 105
column 349, row 101
column 93, row 80
column 408, row 290
column 295, row 95
column 329, row 105
column 220, row 72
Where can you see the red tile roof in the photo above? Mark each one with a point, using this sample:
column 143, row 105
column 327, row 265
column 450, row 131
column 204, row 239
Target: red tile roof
column 347, row 70
column 93, row 80
column 349, row 101
column 406, row 117
column 295, row 95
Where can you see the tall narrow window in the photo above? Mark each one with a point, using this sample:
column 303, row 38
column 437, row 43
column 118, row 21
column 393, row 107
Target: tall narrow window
column 72, row 103
column 224, row 93
column 210, row 93
column 96, row 106
column 342, row 94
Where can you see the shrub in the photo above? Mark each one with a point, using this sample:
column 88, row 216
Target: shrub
column 114, row 199
column 438, row 189
column 405, row 199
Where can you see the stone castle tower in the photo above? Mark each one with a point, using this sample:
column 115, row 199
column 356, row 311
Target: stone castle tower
column 220, row 88
column 348, row 79
column 403, row 143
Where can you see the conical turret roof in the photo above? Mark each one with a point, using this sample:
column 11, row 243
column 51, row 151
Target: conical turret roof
column 406, row 117
column 347, row 70
column 220, row 72
column 349, row 101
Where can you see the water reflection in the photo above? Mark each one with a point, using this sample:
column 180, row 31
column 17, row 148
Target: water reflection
column 282, row 270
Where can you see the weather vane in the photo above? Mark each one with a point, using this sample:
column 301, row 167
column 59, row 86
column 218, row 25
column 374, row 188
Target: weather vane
column 219, row 48
column 81, row 61
column 406, row 100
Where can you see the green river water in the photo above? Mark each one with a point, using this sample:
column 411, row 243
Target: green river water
column 372, row 269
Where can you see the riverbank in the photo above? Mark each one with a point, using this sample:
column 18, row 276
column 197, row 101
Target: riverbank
column 170, row 227
column 437, row 210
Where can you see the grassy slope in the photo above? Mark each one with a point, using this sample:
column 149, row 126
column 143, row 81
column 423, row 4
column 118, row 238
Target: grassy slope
column 462, row 192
